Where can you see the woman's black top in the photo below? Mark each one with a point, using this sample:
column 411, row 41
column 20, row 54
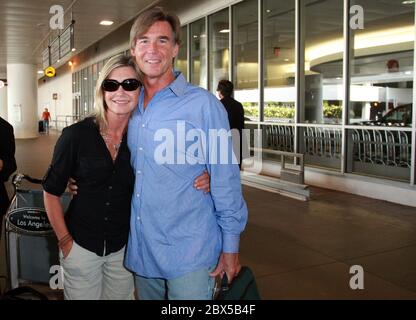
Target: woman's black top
column 98, row 217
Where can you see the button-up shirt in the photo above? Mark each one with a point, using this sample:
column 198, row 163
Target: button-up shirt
column 98, row 216
column 175, row 228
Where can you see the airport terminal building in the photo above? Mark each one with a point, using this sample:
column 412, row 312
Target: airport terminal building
column 327, row 82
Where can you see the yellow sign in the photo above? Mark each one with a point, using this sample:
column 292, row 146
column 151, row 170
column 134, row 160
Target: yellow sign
column 50, row 72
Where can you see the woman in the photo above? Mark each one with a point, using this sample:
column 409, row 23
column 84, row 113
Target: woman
column 94, row 233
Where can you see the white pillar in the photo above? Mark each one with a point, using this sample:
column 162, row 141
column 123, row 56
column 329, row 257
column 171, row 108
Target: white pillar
column 3, row 103
column 22, row 97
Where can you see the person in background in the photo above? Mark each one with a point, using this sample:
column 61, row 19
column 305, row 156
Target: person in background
column 235, row 113
column 93, row 234
column 46, row 117
column 7, row 164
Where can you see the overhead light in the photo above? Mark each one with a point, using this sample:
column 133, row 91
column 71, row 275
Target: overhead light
column 195, row 36
column 58, row 60
column 338, row 78
column 268, row 10
column 70, row 63
column 40, row 72
column 287, row 60
column 73, row 49
column 225, row 31
column 106, row 22
column 85, row 78
column 408, row 2
column 408, row 72
column 203, row 35
column 2, row 84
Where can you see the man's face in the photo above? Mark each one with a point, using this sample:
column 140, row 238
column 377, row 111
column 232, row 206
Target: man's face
column 154, row 51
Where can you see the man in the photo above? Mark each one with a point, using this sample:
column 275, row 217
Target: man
column 7, row 163
column 46, row 116
column 179, row 239
column 235, row 113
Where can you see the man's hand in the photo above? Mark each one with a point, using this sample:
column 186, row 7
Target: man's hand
column 72, row 187
column 229, row 264
column 202, row 182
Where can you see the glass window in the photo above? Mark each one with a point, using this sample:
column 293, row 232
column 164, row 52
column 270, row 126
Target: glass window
column 381, row 91
column 181, row 62
column 246, row 64
column 219, row 48
column 279, row 60
column 324, row 43
column 198, row 53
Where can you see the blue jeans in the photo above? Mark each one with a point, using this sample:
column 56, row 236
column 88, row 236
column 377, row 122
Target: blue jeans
column 46, row 126
column 197, row 285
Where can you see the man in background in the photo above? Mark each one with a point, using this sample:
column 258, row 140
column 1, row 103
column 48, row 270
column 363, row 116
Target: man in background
column 235, row 113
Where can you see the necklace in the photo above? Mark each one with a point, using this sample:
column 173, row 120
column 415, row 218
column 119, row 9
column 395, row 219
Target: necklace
column 110, row 144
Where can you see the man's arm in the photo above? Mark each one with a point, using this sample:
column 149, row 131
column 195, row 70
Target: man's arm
column 231, row 209
column 7, row 152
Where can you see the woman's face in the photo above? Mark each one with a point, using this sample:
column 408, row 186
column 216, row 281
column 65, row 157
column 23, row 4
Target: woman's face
column 121, row 102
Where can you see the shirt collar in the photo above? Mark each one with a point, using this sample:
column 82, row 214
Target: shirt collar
column 178, row 86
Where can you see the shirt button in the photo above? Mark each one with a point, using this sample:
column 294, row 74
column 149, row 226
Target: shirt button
column 138, row 218
column 139, row 172
column 110, row 187
column 138, row 195
column 143, row 125
column 141, row 149
column 107, row 204
column 105, row 219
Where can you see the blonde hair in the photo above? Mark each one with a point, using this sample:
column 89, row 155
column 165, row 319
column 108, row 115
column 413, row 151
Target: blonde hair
column 147, row 18
column 100, row 107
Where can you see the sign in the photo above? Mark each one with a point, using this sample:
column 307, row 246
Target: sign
column 50, row 72
column 29, row 221
column 65, row 41
column 55, row 96
column 54, row 51
column 46, row 62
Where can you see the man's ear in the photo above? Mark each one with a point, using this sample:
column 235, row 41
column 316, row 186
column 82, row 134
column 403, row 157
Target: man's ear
column 175, row 50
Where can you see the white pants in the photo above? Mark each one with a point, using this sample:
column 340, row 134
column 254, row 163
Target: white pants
column 91, row 277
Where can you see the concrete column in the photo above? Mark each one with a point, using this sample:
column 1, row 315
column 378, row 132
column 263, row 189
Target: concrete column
column 22, row 97
column 3, row 103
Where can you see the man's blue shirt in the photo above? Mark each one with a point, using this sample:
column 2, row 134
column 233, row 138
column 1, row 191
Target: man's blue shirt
column 175, row 228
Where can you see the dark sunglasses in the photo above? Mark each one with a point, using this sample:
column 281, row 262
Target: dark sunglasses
column 113, row 85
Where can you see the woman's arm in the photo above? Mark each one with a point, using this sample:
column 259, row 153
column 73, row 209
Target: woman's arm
column 56, row 218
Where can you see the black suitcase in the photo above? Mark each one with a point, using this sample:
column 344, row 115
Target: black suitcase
column 41, row 129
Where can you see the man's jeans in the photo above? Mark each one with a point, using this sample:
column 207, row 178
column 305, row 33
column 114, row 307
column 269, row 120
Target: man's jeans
column 197, row 285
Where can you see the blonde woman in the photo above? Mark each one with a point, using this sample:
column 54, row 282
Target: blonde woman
column 93, row 235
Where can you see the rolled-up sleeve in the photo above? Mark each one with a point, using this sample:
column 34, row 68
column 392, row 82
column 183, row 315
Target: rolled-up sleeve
column 63, row 160
column 230, row 207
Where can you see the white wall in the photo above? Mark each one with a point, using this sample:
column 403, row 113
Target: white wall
column 62, row 85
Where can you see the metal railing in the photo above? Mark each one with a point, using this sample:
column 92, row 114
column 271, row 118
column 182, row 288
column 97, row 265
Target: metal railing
column 322, row 142
column 63, row 121
column 391, row 148
column 280, row 138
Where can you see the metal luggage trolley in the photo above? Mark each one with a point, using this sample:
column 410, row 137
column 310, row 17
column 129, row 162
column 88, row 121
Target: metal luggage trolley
column 31, row 246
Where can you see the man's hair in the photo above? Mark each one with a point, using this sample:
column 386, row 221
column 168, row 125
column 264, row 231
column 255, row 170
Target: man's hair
column 100, row 107
column 225, row 87
column 147, row 18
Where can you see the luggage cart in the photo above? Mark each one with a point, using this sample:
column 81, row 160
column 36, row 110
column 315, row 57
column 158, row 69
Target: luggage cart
column 31, row 245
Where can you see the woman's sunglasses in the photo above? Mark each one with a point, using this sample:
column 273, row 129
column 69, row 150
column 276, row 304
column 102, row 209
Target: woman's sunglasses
column 113, row 85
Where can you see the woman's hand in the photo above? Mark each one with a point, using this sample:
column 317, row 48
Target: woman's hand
column 67, row 247
column 202, row 182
